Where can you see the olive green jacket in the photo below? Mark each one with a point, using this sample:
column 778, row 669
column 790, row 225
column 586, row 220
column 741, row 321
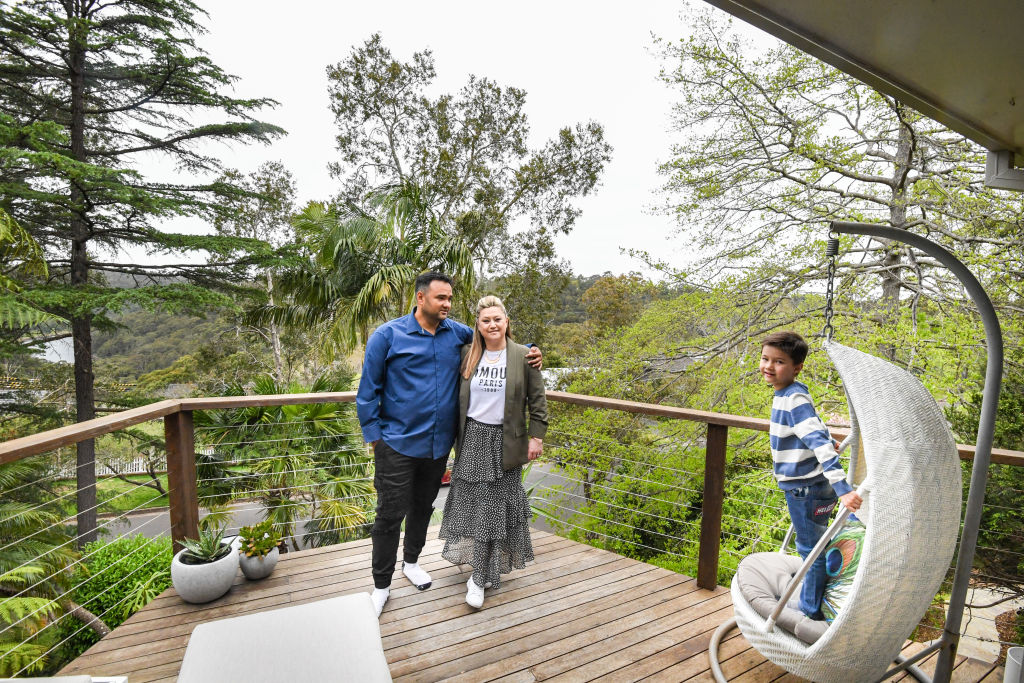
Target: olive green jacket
column 524, row 388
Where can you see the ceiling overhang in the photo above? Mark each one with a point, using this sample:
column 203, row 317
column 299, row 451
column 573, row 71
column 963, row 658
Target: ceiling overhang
column 960, row 63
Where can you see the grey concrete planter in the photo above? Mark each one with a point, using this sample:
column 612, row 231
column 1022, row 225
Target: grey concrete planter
column 198, row 583
column 258, row 567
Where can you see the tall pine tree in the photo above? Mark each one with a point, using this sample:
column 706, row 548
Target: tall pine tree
column 114, row 82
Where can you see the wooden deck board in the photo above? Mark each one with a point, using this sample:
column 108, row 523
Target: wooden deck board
column 576, row 614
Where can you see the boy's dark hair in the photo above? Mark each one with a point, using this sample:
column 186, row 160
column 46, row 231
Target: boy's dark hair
column 790, row 343
column 423, row 280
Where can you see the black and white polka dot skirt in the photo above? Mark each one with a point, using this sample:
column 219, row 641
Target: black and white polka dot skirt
column 486, row 515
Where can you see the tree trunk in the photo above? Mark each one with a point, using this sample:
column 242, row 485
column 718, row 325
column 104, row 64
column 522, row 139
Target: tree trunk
column 275, row 336
column 87, row 618
column 81, row 325
column 898, row 219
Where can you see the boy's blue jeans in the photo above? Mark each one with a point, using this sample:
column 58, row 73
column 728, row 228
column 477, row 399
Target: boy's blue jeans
column 809, row 508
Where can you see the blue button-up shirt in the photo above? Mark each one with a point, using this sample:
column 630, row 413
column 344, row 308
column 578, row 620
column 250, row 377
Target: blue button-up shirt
column 408, row 394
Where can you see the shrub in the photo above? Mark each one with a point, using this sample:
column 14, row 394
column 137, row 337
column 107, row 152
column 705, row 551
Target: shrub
column 117, row 579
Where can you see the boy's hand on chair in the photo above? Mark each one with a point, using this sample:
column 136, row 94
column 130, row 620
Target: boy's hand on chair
column 851, row 500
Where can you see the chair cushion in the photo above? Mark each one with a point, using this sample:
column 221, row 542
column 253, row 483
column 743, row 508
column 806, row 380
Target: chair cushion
column 762, row 578
column 330, row 640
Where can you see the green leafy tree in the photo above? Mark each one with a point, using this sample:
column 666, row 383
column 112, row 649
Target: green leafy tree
column 37, row 559
column 614, row 301
column 263, row 213
column 468, row 151
column 365, row 265
column 775, row 143
column 114, row 82
column 22, row 258
column 530, row 279
column 302, row 462
column 1000, row 554
column 20, row 254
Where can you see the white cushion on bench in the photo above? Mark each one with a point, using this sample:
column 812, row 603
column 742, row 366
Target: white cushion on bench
column 331, row 640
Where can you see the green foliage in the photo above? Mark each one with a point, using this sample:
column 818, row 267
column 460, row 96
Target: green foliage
column 151, row 341
column 117, row 579
column 468, row 149
column 299, row 461
column 145, row 73
column 634, row 484
column 365, row 264
column 23, row 617
column 209, row 547
column 211, row 365
column 529, row 280
column 17, row 658
column 15, row 314
column 262, row 206
column 259, row 539
column 20, row 254
column 36, row 557
column 776, row 143
column 87, row 89
column 1000, row 554
column 614, row 301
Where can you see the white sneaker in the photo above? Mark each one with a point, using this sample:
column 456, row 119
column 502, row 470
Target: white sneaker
column 474, row 594
column 379, row 596
column 416, row 575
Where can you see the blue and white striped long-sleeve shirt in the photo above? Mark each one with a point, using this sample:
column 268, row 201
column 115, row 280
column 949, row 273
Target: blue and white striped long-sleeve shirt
column 802, row 448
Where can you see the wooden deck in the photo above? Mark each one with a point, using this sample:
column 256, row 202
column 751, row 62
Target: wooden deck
column 576, row 614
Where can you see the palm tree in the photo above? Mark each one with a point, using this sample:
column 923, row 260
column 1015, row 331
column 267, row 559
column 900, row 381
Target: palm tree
column 37, row 559
column 22, row 254
column 364, row 263
column 299, row 461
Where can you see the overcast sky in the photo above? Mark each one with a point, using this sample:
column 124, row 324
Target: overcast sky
column 576, row 60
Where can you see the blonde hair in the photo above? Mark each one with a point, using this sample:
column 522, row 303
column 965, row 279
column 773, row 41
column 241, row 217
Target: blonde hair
column 476, row 349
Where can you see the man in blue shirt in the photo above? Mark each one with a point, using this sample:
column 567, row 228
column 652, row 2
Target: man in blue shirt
column 408, row 409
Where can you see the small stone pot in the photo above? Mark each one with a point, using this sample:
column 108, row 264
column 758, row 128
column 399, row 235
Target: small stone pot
column 199, row 583
column 258, row 567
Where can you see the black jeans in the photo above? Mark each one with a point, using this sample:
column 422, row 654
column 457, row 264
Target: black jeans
column 406, row 489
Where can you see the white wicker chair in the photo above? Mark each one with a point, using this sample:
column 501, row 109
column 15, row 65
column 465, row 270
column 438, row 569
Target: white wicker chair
column 912, row 513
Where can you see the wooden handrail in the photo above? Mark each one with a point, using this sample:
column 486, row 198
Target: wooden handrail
column 655, row 409
column 181, row 461
column 1001, row 456
column 225, row 402
column 15, row 449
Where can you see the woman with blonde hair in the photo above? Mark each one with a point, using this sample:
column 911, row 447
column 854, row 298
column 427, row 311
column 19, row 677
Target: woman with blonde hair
column 486, row 515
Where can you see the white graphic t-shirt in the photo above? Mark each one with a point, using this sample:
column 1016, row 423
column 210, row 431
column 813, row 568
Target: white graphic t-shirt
column 487, row 389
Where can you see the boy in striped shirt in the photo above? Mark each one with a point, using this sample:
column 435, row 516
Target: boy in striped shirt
column 806, row 463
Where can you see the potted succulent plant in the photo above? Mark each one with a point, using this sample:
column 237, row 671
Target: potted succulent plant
column 204, row 569
column 258, row 553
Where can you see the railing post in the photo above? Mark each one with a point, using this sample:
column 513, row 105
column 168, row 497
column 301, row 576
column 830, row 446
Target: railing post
column 711, row 514
column 181, row 476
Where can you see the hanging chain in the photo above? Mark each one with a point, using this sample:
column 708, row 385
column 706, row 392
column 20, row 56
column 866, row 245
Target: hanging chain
column 831, row 251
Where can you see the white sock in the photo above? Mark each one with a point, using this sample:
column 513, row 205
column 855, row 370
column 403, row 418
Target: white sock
column 416, row 574
column 379, row 596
